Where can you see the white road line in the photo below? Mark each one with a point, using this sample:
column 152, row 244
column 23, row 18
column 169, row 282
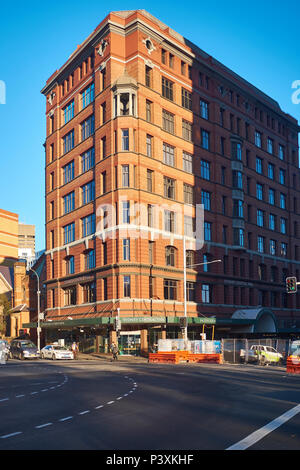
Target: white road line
column 19, row 396
column 119, row 398
column 265, row 430
column 97, row 407
column 43, row 425
column 33, row 393
column 10, row 435
column 65, row 419
column 4, row 399
column 44, row 390
column 84, row 412
column 110, row 402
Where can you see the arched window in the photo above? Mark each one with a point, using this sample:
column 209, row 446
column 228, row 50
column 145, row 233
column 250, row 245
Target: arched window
column 170, row 252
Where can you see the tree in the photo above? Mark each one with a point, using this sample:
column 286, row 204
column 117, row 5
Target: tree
column 5, row 306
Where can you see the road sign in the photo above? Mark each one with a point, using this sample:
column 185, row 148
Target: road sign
column 291, row 285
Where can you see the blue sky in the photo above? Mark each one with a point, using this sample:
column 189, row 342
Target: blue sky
column 259, row 41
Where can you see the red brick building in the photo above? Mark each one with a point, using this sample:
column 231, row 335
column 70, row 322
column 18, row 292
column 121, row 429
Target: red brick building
column 142, row 122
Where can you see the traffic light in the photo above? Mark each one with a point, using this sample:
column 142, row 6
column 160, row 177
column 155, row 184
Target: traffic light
column 183, row 322
column 291, row 285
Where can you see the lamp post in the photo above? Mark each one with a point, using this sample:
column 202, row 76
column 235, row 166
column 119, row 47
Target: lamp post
column 184, row 282
column 38, row 307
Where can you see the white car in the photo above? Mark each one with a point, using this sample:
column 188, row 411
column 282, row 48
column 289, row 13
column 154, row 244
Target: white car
column 55, row 351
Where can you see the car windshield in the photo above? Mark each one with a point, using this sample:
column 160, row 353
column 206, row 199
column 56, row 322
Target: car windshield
column 27, row 344
column 60, row 348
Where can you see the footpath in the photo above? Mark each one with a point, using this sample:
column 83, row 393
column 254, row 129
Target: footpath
column 108, row 358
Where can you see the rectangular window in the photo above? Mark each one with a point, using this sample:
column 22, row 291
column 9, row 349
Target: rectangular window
column 87, row 127
column 126, row 249
column 206, row 200
column 282, row 201
column 272, row 219
column 70, row 296
column 149, row 140
column 207, row 231
column 89, row 292
column 190, row 291
column 126, row 286
column 68, row 112
column 186, row 99
column 205, row 170
column 170, row 289
column 125, row 139
column 68, row 172
column 260, row 244
column 125, row 176
column 258, row 139
column 187, row 160
column 204, row 109
column 169, row 187
column 150, row 181
column 167, row 89
column 270, row 146
column 68, row 142
column 168, row 121
column 188, row 193
column 259, row 191
column 282, row 225
column 260, row 218
column 168, row 154
column 88, row 95
column 237, row 179
column 148, row 111
column 206, row 293
column 126, row 213
column 271, row 196
column 271, row 171
column 281, row 176
column 69, row 233
column 259, row 165
column 87, row 160
column 273, row 247
column 148, row 76
column 88, row 225
column 187, row 130
column 88, row 192
column 169, row 221
column 70, row 265
column 281, row 152
column 69, row 202
column 188, row 226
column 90, row 260
column 205, row 140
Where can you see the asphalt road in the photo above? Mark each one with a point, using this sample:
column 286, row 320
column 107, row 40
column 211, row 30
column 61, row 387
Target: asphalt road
column 96, row 404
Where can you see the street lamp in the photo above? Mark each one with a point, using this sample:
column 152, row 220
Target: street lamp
column 184, row 282
column 38, row 306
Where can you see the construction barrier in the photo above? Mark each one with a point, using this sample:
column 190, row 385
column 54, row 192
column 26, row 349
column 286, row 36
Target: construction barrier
column 293, row 365
column 175, row 357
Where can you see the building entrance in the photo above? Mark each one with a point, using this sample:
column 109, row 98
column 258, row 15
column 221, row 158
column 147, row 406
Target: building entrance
column 130, row 343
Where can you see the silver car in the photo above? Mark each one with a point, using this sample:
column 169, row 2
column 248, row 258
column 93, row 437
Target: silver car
column 55, row 351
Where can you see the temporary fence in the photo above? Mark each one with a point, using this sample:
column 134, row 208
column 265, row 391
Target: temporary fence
column 179, row 350
column 238, row 350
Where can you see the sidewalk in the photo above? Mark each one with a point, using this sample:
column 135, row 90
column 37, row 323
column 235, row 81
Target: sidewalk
column 108, row 357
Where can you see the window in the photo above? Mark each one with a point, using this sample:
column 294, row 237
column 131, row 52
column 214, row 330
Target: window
column 238, row 237
column 70, row 296
column 171, row 60
column 187, row 160
column 282, row 201
column 272, row 220
column 190, row 291
column 88, row 225
column 170, row 255
column 148, row 76
column 238, row 208
column 271, row 169
column 190, row 258
column 163, row 56
column 205, row 170
column 126, row 213
column 204, row 109
column 87, row 96
column 69, row 202
column 259, row 191
column 282, row 225
column 169, row 187
column 126, row 249
column 68, row 142
column 170, row 289
column 167, row 88
column 87, row 160
column 283, row 249
column 125, row 176
column 260, row 218
column 270, row 146
column 272, row 246
column 150, row 215
column 186, row 99
column 188, row 226
column 258, row 139
column 126, row 286
column 70, row 265
column 89, row 292
column 149, row 140
column 236, row 149
column 150, row 181
column 206, row 200
column 148, row 111
column 88, row 192
column 207, row 231
column 169, row 221
column 168, row 121
column 168, row 154
column 205, row 141
column 90, row 260
column 68, row 112
column 259, row 166
column 271, row 196
column 68, row 172
column 281, row 176
column 125, row 139
column 87, row 127
column 188, row 193
column 237, row 179
column 260, row 244
column 281, row 152
column 206, row 293
column 69, row 233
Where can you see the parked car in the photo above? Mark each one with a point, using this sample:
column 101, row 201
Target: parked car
column 55, row 351
column 23, row 349
column 6, row 348
column 261, row 354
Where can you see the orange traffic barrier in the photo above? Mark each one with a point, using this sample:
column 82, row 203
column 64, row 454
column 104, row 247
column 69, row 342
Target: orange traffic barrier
column 175, row 357
column 293, row 365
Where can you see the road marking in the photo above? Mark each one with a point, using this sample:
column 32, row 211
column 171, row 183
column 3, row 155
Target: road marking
column 265, row 430
column 43, row 425
column 33, row 393
column 65, row 419
column 44, row 390
column 4, row 399
column 84, row 412
column 119, row 398
column 10, row 435
column 97, row 407
column 19, row 396
column 110, row 402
